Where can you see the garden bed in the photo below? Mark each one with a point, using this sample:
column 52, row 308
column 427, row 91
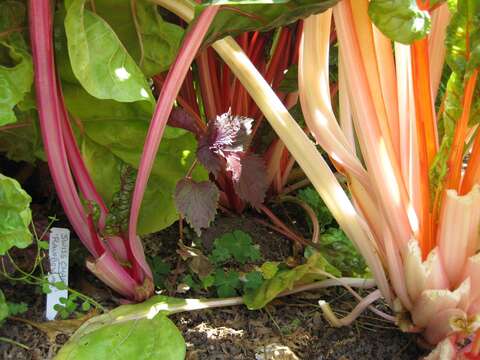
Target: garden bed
column 294, row 322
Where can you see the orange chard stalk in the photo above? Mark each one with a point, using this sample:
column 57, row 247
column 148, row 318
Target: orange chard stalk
column 472, row 173
column 426, row 132
column 456, row 153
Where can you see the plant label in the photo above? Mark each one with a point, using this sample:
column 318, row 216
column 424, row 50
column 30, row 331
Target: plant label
column 58, row 253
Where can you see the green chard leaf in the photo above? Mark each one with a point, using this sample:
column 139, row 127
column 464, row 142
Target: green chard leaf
column 236, row 17
column 134, row 331
column 464, row 28
column 16, row 77
column 400, row 20
column 145, row 338
column 286, row 279
column 15, row 215
column 99, row 60
column 150, row 40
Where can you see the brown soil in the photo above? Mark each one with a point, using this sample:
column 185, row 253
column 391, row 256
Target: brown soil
column 235, row 332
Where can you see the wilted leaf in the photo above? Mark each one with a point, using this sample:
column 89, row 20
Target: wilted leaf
column 56, row 327
column 287, row 279
column 15, row 215
column 197, row 202
column 400, row 20
column 99, row 60
column 269, row 269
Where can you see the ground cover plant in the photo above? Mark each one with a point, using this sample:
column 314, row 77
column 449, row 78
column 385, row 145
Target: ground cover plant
column 152, row 112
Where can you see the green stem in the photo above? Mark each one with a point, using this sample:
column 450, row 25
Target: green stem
column 13, row 342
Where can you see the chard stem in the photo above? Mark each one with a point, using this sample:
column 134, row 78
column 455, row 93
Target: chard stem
column 168, row 94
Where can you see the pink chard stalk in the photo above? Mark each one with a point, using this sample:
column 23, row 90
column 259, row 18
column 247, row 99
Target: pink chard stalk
column 117, row 260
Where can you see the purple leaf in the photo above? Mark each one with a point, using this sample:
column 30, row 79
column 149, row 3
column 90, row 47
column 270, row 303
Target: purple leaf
column 179, row 118
column 226, row 134
column 197, row 202
column 205, row 155
column 249, row 177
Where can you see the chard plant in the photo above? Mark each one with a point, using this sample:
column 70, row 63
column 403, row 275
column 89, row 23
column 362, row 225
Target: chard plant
column 92, row 71
column 413, row 213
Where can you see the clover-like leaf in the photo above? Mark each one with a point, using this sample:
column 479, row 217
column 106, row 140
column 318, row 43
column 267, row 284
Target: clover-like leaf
column 197, row 202
column 238, row 245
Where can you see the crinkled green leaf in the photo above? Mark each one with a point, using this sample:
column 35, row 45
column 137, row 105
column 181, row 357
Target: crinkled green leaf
column 400, row 20
column 286, row 280
column 99, row 60
column 339, row 251
column 16, row 77
column 150, row 40
column 463, row 31
column 147, row 338
column 311, row 197
column 236, row 17
column 15, row 215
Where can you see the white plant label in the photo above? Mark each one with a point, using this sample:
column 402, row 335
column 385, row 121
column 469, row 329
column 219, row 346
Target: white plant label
column 58, row 252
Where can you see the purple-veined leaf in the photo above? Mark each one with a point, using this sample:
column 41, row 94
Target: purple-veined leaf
column 197, row 202
column 249, row 177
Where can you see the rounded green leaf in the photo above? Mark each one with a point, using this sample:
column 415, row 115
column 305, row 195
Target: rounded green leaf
column 139, row 339
column 400, row 20
column 99, row 60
